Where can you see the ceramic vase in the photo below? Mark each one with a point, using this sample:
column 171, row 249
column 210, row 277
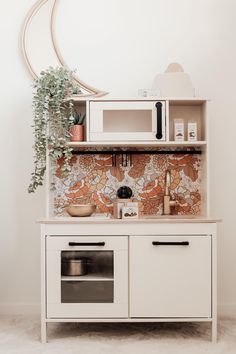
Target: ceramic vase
column 77, row 133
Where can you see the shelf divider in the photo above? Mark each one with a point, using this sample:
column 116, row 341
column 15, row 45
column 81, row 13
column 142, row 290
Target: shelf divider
column 88, row 277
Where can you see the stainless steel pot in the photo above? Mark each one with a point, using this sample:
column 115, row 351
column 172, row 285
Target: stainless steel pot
column 74, row 267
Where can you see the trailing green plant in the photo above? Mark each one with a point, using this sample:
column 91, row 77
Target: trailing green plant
column 52, row 120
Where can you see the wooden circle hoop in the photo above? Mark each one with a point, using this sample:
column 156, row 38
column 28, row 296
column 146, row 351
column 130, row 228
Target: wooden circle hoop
column 90, row 91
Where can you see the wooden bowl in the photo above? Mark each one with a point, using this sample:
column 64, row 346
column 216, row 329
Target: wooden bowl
column 81, row 209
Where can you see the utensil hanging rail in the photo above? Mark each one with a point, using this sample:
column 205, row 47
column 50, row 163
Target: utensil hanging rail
column 138, row 152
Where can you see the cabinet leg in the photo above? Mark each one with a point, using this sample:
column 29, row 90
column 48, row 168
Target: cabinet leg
column 43, row 332
column 214, row 331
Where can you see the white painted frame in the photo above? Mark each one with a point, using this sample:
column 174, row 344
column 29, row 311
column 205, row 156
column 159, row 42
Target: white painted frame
column 139, row 227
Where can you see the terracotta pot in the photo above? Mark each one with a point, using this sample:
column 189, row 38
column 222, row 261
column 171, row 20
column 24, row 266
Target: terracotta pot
column 77, row 133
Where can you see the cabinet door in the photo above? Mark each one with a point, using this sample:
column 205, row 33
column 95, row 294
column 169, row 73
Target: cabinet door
column 102, row 291
column 170, row 276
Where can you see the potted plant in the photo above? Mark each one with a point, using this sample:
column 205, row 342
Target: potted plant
column 77, row 129
column 52, row 120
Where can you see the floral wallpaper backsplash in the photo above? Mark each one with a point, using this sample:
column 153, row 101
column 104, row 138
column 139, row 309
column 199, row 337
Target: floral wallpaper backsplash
column 94, row 179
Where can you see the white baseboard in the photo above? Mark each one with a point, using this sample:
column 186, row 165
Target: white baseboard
column 15, row 308
column 19, row 308
column 227, row 310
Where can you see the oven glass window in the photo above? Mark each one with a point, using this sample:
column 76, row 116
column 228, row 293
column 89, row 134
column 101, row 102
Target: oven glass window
column 87, row 277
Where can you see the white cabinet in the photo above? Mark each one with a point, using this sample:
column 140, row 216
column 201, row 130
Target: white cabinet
column 137, row 271
column 102, row 291
column 170, row 276
column 127, row 121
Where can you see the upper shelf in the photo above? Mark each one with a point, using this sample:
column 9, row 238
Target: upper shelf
column 137, row 122
column 177, row 100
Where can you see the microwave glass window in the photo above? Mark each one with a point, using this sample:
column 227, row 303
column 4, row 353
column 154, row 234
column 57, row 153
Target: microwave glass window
column 127, row 120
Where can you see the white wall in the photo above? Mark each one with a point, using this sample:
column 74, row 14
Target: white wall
column 123, row 53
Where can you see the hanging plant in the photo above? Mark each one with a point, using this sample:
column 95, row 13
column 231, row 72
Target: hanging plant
column 52, row 120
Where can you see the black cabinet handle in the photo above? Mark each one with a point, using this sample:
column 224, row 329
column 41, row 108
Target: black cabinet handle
column 159, row 120
column 86, row 243
column 165, row 243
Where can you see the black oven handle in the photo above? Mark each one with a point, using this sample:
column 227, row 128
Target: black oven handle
column 159, row 134
column 86, row 243
column 171, row 243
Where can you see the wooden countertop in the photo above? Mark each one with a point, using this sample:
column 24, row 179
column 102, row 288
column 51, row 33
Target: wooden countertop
column 167, row 219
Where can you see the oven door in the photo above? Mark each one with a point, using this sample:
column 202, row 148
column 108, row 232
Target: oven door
column 127, row 121
column 102, row 291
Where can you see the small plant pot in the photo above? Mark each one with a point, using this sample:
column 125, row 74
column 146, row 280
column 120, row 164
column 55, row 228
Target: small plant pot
column 77, row 133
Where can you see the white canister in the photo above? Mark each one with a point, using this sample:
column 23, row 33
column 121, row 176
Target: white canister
column 130, row 212
column 178, row 129
column 192, row 131
column 118, row 205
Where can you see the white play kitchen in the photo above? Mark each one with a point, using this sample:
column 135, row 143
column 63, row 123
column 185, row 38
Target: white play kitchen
column 157, row 261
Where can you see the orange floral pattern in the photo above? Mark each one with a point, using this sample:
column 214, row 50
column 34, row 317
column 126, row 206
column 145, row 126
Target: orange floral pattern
column 94, row 179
